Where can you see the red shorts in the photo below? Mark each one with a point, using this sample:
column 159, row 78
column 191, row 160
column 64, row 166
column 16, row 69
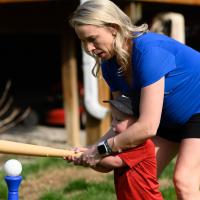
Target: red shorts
column 138, row 180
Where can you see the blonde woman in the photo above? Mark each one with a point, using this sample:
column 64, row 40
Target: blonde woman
column 163, row 74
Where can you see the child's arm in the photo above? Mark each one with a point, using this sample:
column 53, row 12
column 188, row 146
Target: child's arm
column 101, row 169
column 109, row 163
column 112, row 162
column 106, row 164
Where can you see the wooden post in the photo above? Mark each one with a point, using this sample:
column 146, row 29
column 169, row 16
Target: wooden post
column 70, row 89
column 104, row 94
column 96, row 128
column 133, row 10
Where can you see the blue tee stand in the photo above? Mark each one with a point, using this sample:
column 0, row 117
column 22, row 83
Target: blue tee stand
column 13, row 183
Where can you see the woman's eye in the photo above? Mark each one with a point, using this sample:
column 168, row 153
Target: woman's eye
column 91, row 39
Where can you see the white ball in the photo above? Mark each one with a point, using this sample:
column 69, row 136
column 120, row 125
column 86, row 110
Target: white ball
column 13, row 167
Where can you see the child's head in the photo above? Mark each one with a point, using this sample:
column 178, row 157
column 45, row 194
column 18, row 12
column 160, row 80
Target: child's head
column 123, row 113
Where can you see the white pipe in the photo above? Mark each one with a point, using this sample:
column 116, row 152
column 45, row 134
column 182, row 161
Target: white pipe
column 177, row 25
column 91, row 99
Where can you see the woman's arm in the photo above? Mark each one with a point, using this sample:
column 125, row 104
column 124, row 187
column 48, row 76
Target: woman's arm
column 151, row 102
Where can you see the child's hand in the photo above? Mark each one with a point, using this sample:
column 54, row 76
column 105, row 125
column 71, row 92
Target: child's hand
column 90, row 157
column 72, row 158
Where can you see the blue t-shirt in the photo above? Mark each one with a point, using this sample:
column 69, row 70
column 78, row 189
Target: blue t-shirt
column 155, row 56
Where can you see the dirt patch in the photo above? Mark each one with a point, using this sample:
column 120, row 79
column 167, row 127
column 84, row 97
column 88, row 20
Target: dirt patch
column 35, row 185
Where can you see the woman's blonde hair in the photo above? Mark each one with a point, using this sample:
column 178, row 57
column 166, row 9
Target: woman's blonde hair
column 105, row 13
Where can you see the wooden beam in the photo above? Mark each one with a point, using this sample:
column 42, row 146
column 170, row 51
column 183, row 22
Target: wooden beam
column 104, row 94
column 133, row 10
column 70, row 89
column 21, row 1
column 96, row 128
column 184, row 2
column 48, row 17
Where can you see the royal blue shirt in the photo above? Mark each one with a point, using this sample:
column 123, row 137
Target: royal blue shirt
column 155, row 56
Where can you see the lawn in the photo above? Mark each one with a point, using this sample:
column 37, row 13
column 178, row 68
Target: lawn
column 55, row 179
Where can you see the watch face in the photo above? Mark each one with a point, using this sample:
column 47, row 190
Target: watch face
column 101, row 149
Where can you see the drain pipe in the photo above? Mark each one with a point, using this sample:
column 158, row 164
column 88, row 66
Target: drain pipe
column 91, row 99
column 177, row 24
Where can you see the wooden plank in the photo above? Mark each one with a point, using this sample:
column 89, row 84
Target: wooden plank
column 104, row 94
column 21, row 1
column 184, row 2
column 41, row 17
column 70, row 89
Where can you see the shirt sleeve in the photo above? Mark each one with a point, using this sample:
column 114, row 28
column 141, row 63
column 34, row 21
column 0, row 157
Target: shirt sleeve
column 109, row 74
column 153, row 64
column 133, row 156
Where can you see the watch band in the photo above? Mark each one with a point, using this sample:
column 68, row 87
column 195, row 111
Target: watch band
column 108, row 148
column 104, row 148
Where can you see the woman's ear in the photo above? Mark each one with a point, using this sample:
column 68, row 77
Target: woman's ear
column 114, row 29
column 114, row 33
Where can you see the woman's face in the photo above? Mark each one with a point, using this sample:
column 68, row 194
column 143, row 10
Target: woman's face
column 97, row 40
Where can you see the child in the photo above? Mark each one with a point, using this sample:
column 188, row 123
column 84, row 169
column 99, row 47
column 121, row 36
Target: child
column 134, row 169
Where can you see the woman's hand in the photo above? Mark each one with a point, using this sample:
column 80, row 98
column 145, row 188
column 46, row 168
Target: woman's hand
column 90, row 157
column 71, row 158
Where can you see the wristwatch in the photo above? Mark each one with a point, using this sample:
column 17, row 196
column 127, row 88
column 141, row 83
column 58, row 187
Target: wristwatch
column 104, row 148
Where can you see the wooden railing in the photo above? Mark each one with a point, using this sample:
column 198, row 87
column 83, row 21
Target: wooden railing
column 186, row 2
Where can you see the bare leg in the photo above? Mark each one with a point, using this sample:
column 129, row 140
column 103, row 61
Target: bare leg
column 165, row 152
column 187, row 170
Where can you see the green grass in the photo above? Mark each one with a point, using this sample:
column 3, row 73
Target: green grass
column 169, row 192
column 79, row 189
column 40, row 164
column 53, row 195
column 168, row 172
column 3, row 191
column 34, row 166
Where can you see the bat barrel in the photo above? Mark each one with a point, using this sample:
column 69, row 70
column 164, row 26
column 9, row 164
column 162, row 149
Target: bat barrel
column 9, row 147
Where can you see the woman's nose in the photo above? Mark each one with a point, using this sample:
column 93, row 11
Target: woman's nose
column 90, row 47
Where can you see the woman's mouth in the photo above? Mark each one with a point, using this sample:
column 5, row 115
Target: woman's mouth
column 101, row 55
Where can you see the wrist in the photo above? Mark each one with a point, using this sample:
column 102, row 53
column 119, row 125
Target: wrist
column 104, row 148
column 115, row 147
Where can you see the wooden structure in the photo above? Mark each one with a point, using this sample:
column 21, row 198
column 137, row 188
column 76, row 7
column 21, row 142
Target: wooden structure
column 47, row 16
column 186, row 2
column 42, row 16
column 137, row 4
